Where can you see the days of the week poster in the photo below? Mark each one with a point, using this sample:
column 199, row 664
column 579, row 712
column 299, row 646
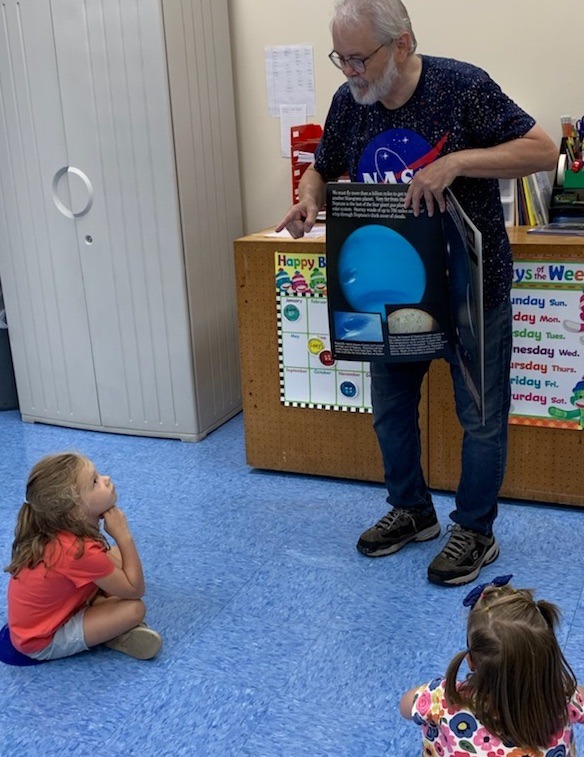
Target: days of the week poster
column 547, row 366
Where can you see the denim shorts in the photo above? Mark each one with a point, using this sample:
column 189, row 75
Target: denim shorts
column 68, row 640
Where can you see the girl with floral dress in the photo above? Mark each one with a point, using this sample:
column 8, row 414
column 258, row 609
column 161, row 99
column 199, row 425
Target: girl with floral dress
column 521, row 698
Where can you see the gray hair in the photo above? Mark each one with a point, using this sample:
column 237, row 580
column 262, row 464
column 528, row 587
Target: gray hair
column 388, row 18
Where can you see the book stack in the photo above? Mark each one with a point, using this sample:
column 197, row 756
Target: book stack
column 533, row 199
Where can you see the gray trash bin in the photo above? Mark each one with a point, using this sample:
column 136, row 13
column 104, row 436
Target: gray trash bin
column 8, row 396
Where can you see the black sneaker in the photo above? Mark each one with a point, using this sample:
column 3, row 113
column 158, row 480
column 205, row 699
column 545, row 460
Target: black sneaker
column 395, row 530
column 462, row 558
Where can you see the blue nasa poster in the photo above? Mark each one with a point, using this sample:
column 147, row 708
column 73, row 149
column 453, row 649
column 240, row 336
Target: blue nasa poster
column 400, row 287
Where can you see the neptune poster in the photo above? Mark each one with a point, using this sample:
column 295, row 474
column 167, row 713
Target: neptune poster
column 402, row 288
column 387, row 276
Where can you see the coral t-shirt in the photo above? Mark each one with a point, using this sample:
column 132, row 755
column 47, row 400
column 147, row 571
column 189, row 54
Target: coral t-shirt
column 42, row 599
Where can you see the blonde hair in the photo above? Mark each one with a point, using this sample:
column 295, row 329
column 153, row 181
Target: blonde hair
column 53, row 504
column 521, row 682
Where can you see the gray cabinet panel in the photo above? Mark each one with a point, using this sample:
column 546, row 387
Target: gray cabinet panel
column 97, row 262
column 39, row 257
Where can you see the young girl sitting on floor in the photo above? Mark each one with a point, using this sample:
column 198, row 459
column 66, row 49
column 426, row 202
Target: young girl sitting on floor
column 68, row 590
column 521, row 698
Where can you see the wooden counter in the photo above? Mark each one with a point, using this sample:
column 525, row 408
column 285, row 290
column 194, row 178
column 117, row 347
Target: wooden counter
column 544, row 465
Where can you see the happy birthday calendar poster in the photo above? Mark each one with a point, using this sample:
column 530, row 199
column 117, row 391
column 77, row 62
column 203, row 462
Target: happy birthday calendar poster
column 309, row 374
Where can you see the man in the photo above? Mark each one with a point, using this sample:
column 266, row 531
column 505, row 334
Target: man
column 433, row 123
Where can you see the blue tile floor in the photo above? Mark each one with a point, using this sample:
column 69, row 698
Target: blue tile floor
column 281, row 640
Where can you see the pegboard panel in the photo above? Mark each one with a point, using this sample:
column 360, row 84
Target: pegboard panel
column 304, row 440
column 544, row 464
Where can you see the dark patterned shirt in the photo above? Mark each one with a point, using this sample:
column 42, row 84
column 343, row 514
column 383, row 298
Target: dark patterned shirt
column 456, row 106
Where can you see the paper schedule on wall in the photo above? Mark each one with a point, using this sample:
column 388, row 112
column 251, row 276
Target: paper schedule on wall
column 290, row 77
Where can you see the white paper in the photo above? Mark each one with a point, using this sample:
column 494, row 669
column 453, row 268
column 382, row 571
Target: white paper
column 290, row 77
column 304, row 157
column 290, row 115
column 316, row 231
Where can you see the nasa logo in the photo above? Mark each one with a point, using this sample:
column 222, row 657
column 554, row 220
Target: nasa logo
column 394, row 156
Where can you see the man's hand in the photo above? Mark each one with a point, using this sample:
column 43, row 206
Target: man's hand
column 299, row 219
column 429, row 183
column 302, row 216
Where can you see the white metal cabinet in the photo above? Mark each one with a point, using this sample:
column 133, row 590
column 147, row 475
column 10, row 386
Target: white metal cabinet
column 39, row 261
column 96, row 258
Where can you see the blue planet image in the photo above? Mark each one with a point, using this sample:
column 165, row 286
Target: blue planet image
column 358, row 327
column 377, row 266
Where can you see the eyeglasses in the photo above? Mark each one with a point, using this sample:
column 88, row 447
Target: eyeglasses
column 357, row 64
column 474, row 594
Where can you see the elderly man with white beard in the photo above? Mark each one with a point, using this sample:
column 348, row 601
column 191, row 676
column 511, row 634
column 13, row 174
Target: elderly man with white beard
column 431, row 123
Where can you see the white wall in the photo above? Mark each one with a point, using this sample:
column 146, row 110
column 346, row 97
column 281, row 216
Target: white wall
column 530, row 47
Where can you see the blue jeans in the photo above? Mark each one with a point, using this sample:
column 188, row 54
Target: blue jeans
column 395, row 393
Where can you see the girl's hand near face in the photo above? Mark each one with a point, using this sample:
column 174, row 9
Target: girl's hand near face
column 127, row 579
column 116, row 525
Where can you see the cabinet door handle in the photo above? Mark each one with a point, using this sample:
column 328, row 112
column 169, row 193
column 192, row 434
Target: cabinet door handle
column 69, row 212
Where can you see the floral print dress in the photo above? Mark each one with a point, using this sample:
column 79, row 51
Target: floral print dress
column 450, row 732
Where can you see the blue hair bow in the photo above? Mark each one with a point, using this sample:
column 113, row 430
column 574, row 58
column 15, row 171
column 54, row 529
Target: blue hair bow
column 474, row 594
